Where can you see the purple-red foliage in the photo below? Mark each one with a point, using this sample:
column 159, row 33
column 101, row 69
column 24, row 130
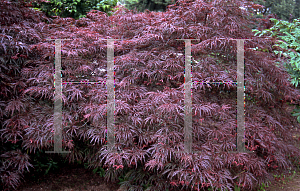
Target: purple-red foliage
column 266, row 23
column 149, row 78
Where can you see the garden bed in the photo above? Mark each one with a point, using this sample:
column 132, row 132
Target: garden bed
column 69, row 178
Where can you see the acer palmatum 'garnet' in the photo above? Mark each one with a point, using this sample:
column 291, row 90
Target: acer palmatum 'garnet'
column 149, row 78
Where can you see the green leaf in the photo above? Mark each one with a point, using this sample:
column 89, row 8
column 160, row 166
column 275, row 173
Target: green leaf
column 95, row 170
column 296, row 114
column 274, row 20
column 297, row 62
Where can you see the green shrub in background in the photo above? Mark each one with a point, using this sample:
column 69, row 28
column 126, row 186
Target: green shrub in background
column 151, row 5
column 296, row 113
column 74, row 8
column 289, row 41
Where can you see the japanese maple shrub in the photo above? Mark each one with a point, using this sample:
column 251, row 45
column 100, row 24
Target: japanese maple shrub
column 149, row 96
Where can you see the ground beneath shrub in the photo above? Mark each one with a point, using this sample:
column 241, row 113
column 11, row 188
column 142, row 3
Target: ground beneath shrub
column 291, row 181
column 68, row 179
column 81, row 179
column 291, row 184
column 77, row 178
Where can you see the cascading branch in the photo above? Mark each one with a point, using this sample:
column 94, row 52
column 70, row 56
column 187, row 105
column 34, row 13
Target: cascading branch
column 149, row 89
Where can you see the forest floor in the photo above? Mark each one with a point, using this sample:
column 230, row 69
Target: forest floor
column 290, row 180
column 68, row 179
column 291, row 183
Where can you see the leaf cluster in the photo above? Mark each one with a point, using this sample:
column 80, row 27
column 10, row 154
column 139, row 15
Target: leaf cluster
column 149, row 95
column 288, row 41
column 74, row 9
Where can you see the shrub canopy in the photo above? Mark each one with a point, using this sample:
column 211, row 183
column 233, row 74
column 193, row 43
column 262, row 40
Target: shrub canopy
column 149, row 94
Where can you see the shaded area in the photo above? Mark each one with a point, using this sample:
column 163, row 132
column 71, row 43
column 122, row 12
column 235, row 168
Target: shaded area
column 68, row 178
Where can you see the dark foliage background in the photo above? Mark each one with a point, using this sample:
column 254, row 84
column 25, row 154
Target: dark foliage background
column 75, row 9
column 149, row 78
column 285, row 10
column 68, row 8
column 150, row 5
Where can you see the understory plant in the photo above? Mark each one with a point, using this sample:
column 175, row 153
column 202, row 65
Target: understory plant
column 288, row 41
column 288, row 46
column 68, row 8
column 149, row 67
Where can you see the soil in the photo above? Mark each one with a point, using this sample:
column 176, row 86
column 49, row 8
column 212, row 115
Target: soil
column 68, row 179
column 292, row 183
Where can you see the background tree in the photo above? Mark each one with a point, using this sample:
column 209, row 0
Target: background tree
column 151, row 5
column 68, row 8
column 282, row 8
column 297, row 9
